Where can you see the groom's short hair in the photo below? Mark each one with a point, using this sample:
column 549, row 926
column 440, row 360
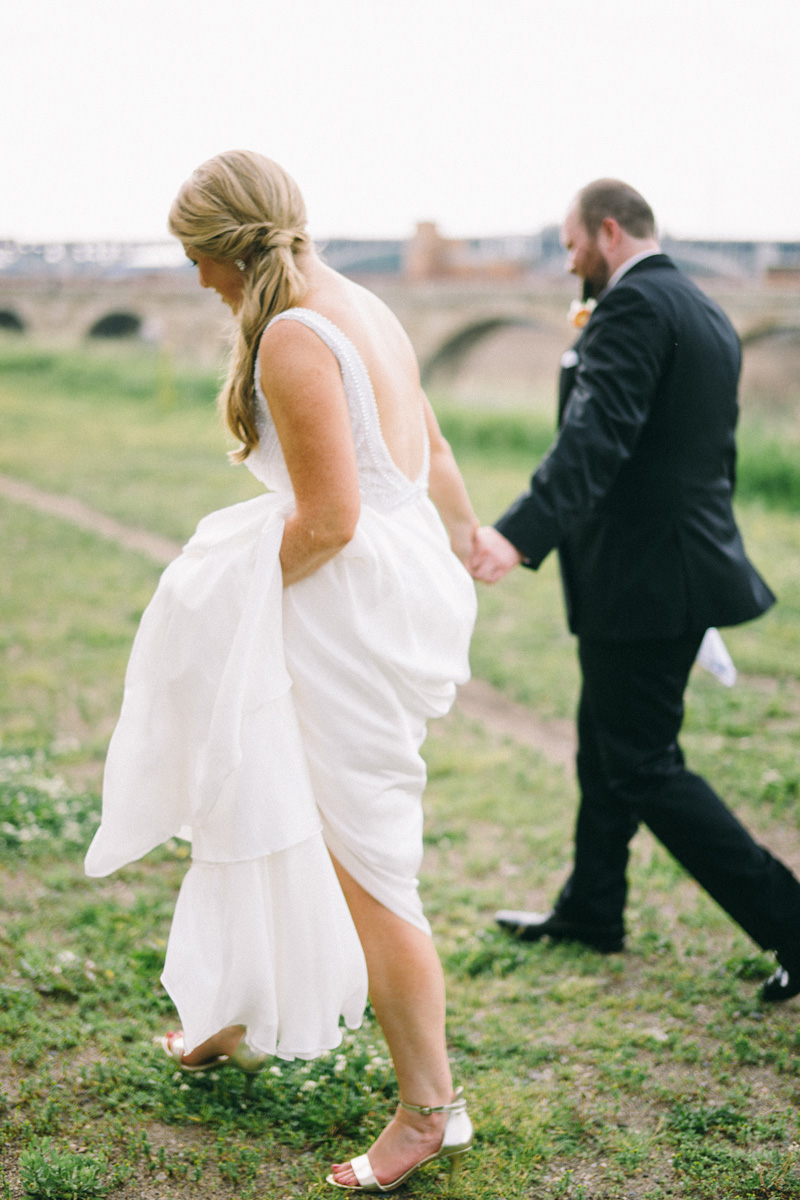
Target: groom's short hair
column 613, row 198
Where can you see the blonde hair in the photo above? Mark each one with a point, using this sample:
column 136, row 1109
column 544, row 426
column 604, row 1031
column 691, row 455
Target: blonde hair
column 242, row 207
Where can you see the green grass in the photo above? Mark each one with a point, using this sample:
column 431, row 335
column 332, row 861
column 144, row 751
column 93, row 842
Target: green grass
column 648, row 1075
column 148, row 459
column 69, row 607
column 768, row 469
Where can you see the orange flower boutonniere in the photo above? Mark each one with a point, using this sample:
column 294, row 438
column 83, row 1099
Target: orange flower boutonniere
column 580, row 311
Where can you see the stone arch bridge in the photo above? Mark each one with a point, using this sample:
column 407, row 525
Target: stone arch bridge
column 445, row 320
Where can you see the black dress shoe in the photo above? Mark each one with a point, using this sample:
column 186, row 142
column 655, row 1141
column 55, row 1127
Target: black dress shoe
column 530, row 926
column 782, row 985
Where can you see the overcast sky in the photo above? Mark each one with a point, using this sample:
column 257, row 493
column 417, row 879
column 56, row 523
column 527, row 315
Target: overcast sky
column 484, row 115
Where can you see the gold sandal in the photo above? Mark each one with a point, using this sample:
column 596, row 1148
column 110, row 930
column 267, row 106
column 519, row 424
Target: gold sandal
column 243, row 1058
column 456, row 1142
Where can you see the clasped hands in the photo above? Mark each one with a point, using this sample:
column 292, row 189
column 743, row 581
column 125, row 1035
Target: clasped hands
column 492, row 555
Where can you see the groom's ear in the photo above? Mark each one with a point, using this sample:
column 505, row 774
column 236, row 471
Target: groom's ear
column 609, row 235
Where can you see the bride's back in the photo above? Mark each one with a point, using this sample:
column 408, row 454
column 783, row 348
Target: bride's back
column 389, row 358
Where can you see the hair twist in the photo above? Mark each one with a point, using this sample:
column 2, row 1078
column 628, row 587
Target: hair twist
column 241, row 205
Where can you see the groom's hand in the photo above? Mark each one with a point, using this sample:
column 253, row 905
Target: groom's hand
column 493, row 556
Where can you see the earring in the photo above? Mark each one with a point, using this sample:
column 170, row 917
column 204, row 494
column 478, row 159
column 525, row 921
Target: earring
column 240, row 263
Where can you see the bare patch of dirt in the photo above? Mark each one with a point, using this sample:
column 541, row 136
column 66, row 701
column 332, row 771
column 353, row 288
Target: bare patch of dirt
column 479, row 701
column 161, row 550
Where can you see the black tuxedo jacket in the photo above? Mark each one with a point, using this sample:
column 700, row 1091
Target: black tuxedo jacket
column 636, row 490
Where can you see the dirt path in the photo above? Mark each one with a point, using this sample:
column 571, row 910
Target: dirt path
column 159, row 549
column 478, row 701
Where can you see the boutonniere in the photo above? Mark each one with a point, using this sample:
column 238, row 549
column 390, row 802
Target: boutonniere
column 580, row 311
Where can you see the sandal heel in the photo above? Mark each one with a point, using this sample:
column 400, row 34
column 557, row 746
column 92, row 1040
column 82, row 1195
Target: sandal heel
column 454, row 1168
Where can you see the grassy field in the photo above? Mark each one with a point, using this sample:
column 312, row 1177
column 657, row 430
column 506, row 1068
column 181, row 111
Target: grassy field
column 646, row 1075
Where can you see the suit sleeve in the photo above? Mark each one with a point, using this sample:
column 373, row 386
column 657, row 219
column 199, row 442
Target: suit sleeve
column 623, row 355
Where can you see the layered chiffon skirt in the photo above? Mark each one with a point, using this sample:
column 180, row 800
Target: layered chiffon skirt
column 271, row 726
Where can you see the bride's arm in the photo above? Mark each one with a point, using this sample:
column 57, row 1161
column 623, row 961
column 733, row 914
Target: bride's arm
column 447, row 490
column 303, row 387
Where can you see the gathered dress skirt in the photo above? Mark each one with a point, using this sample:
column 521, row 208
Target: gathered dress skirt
column 269, row 726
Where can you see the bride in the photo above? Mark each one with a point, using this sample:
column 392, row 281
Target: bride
column 279, row 686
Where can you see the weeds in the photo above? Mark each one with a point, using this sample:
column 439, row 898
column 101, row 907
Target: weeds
column 38, row 811
column 48, row 1173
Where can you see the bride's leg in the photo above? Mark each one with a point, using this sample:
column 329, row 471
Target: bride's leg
column 224, row 1042
column 406, row 988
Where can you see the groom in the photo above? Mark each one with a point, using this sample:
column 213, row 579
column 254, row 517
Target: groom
column 635, row 493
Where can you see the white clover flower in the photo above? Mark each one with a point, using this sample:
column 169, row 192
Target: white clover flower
column 304, row 1071
column 67, row 957
column 64, row 743
column 308, row 1086
column 276, row 1071
column 15, row 765
column 53, row 787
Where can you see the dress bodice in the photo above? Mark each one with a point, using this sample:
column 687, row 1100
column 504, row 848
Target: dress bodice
column 382, row 484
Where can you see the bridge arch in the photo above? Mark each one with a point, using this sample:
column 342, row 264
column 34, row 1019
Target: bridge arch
column 454, row 349
column 117, row 324
column 11, row 321
column 771, row 329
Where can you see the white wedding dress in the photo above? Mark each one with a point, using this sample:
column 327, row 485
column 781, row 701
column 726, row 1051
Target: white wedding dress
column 264, row 722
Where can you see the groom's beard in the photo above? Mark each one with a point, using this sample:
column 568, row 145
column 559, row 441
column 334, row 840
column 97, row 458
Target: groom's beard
column 596, row 283
column 596, row 274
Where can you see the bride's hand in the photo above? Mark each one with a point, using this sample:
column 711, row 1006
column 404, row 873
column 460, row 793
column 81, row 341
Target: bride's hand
column 462, row 540
column 492, row 557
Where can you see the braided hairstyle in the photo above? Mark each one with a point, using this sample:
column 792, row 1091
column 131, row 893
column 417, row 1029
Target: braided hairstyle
column 242, row 207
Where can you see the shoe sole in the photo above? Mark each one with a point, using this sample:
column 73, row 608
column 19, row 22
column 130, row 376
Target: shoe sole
column 532, row 933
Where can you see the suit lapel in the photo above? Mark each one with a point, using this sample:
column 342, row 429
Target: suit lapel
column 566, row 380
column 571, row 358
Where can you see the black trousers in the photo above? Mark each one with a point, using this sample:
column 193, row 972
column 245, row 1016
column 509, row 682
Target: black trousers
column 631, row 769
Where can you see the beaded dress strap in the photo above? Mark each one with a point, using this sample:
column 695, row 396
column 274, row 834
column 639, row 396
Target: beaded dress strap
column 389, row 479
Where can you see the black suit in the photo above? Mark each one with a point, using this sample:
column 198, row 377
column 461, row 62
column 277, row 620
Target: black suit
column 636, row 495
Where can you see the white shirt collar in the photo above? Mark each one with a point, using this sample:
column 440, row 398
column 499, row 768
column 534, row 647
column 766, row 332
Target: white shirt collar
column 626, row 266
